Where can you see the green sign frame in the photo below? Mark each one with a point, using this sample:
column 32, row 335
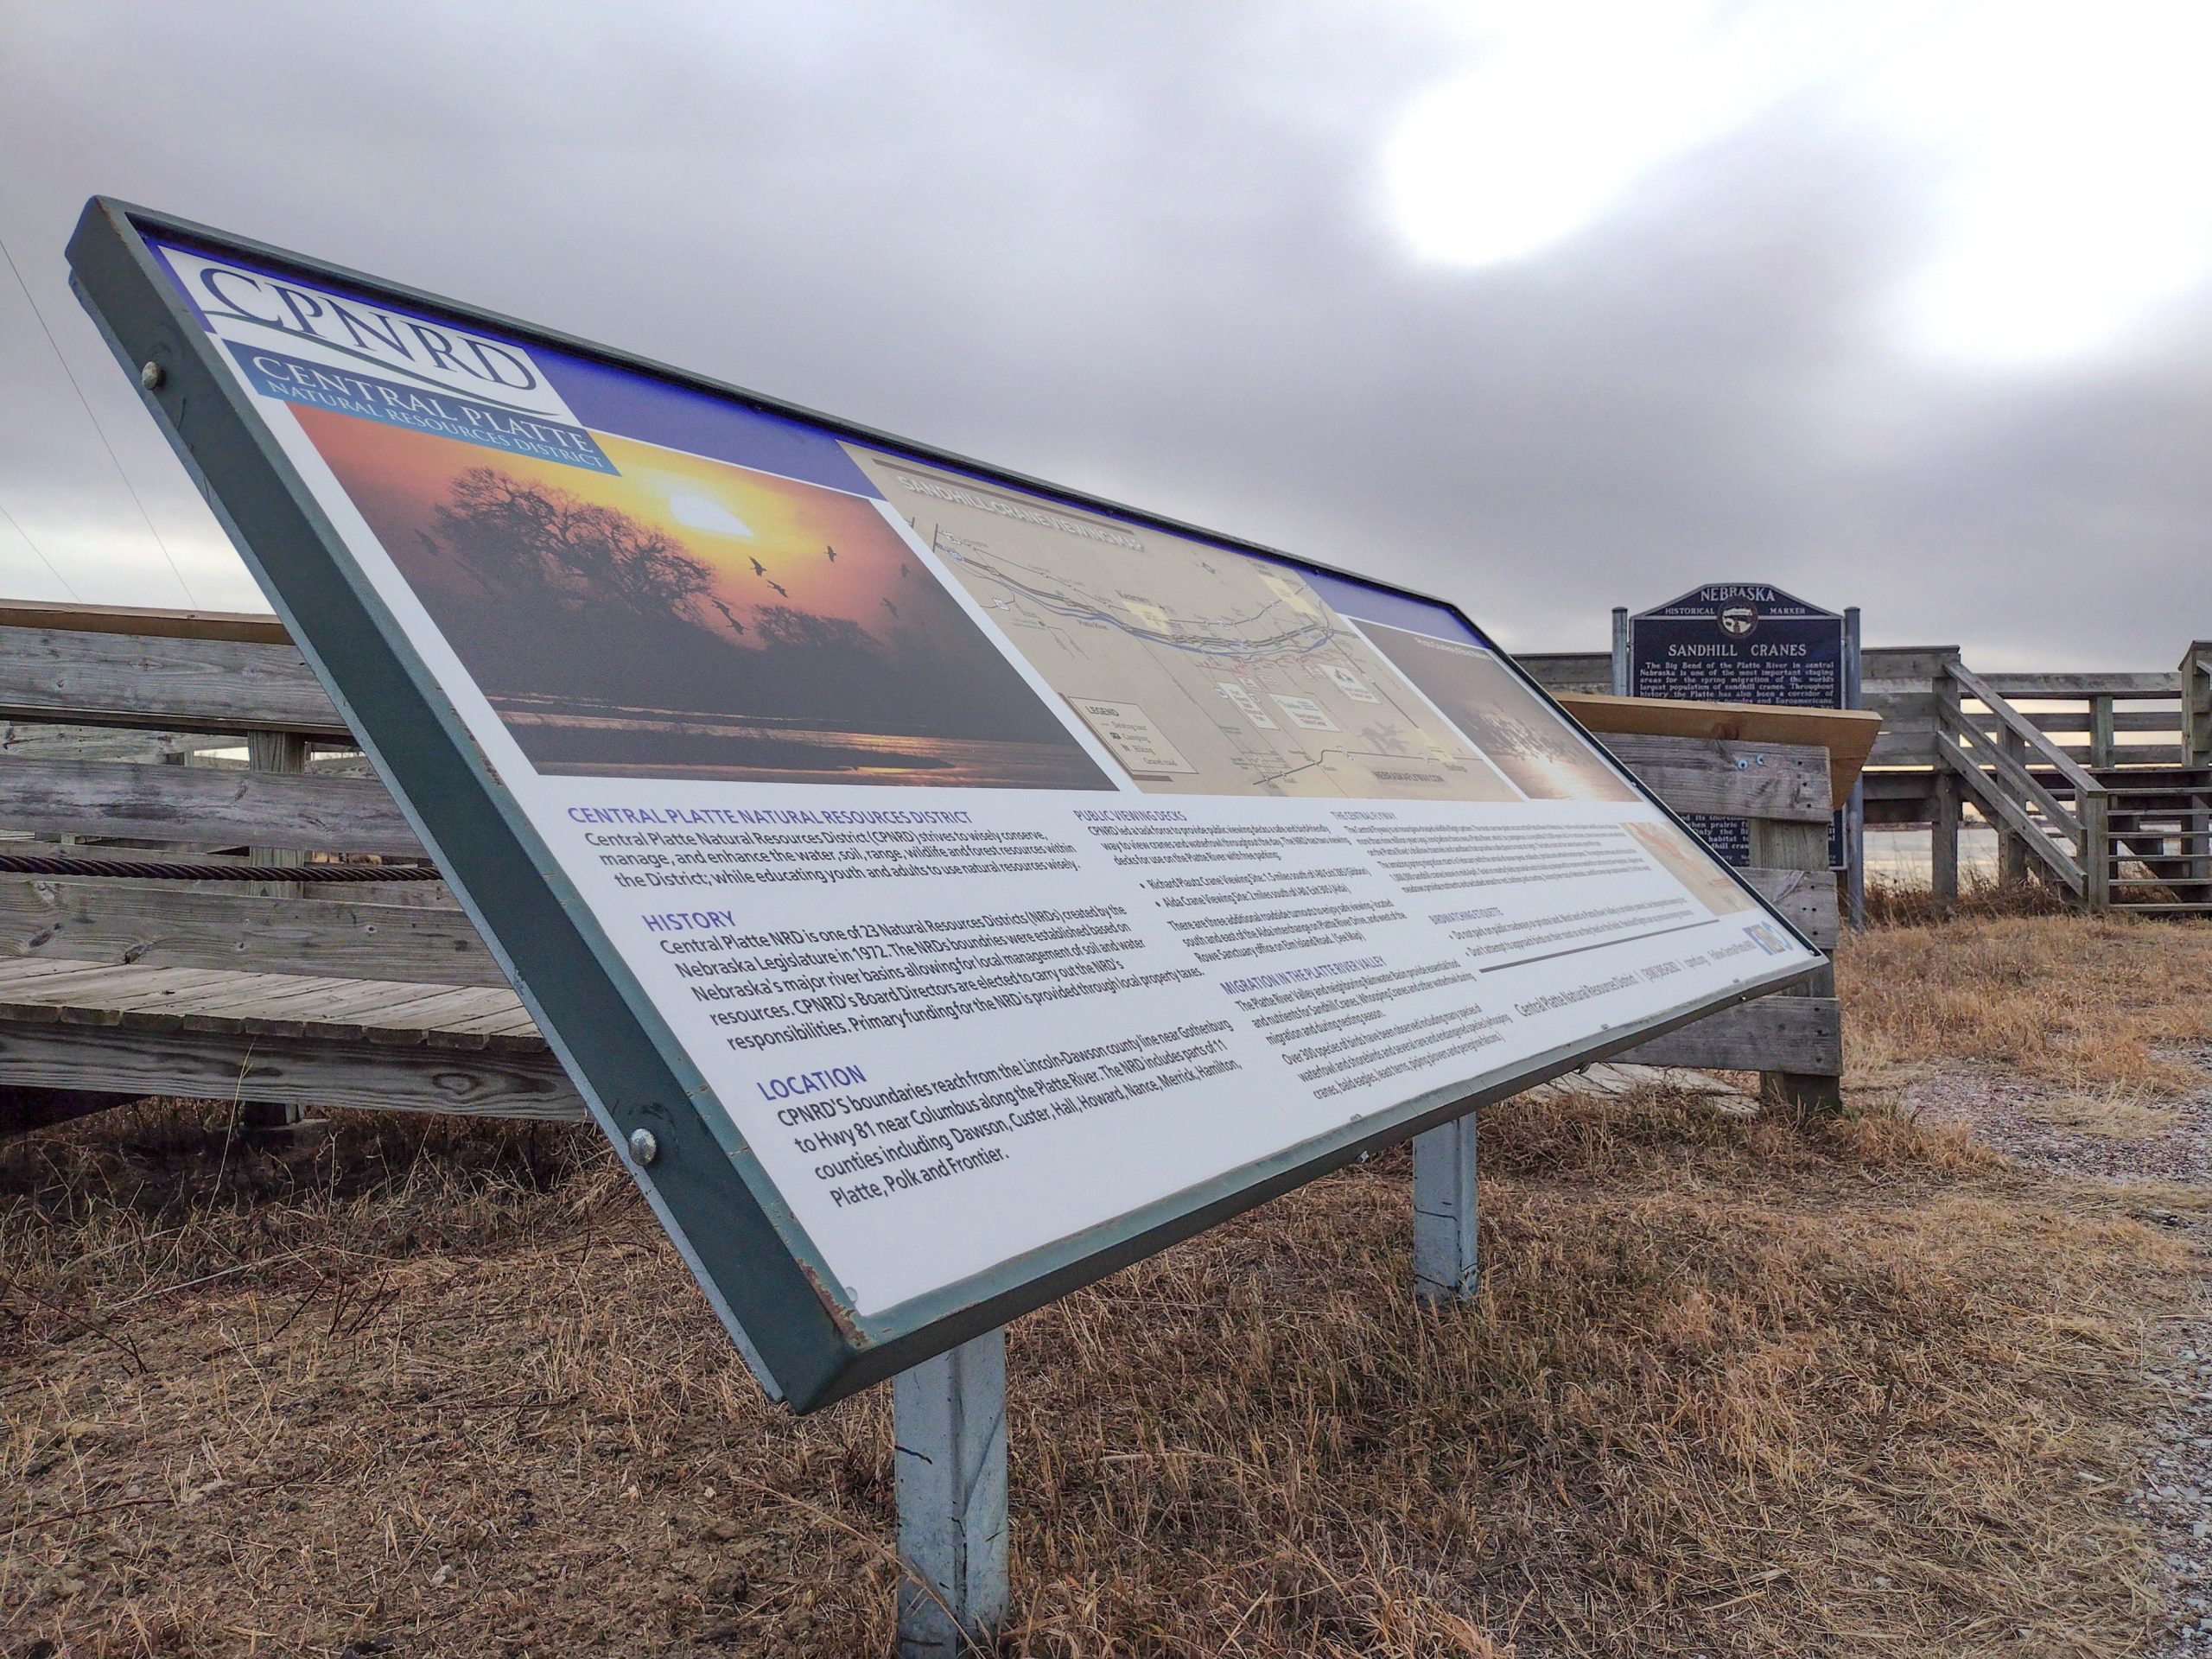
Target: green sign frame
column 805, row 1340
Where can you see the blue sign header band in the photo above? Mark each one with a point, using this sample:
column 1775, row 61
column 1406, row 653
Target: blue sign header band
column 274, row 375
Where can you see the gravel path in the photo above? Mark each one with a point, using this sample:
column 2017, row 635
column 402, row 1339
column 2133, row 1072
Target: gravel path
column 2175, row 1503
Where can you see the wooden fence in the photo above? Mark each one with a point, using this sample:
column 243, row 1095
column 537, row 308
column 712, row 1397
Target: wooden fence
column 149, row 732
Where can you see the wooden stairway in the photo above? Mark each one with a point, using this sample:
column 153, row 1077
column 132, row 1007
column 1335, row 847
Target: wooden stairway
column 2159, row 822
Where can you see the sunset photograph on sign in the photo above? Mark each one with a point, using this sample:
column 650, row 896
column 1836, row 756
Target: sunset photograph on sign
column 1546, row 759
column 683, row 617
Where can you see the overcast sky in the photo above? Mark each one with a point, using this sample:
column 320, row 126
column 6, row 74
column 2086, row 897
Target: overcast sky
column 1544, row 309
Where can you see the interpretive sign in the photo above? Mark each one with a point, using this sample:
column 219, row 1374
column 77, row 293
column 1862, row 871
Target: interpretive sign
column 1740, row 642
column 965, row 885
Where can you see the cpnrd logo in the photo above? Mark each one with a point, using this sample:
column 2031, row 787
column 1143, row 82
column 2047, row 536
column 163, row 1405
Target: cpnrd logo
column 260, row 309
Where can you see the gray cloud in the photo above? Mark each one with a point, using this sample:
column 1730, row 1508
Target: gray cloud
column 1143, row 252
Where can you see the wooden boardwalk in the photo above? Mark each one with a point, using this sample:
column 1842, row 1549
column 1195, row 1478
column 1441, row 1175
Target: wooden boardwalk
column 149, row 734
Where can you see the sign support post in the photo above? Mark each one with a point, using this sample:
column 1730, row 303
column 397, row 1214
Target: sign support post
column 1854, row 842
column 1620, row 653
column 948, row 1417
column 1445, row 1265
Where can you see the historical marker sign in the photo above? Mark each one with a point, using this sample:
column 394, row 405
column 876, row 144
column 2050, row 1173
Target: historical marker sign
column 1740, row 642
column 966, row 886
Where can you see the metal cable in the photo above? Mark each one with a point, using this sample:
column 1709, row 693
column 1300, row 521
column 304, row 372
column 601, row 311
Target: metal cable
column 150, row 870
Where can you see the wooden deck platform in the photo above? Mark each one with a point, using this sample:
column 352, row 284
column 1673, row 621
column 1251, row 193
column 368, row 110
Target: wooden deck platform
column 278, row 1038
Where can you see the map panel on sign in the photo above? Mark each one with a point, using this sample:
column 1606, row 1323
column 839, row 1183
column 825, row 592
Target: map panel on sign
column 1240, row 671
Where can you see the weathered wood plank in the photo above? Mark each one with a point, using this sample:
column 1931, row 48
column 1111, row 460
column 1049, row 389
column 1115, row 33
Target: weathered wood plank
column 2167, row 684
column 1806, row 898
column 1914, row 747
column 1845, row 735
column 214, row 1065
column 276, row 1004
column 1572, row 671
column 2128, row 755
column 2021, row 729
column 1748, row 780
column 1802, row 1034
column 202, row 806
column 2166, row 723
column 2013, row 818
column 2001, row 757
column 158, row 685
column 145, row 621
column 1919, row 663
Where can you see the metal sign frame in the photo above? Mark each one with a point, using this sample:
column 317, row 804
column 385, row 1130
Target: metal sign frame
column 752, row 1257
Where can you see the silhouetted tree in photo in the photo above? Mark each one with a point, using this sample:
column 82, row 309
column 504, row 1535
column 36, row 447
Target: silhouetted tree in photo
column 779, row 625
column 516, row 536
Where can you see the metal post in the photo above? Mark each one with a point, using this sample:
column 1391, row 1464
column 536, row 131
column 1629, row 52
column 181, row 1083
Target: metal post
column 1446, row 1266
column 947, row 1419
column 1620, row 650
column 1854, row 819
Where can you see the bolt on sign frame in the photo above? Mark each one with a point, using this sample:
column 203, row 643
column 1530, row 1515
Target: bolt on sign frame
column 299, row 394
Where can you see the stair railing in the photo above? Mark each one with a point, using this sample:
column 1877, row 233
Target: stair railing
column 1997, row 755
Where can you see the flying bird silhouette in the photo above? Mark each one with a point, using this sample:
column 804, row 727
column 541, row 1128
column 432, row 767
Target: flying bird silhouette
column 902, row 566
column 780, row 588
column 889, row 606
column 729, row 616
column 832, row 552
column 759, row 568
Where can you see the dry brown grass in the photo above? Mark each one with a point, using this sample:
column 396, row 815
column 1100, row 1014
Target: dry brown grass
column 1896, row 903
column 2093, row 1006
column 1733, row 1387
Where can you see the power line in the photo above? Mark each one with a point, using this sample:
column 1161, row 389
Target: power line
column 99, row 430
column 54, row 569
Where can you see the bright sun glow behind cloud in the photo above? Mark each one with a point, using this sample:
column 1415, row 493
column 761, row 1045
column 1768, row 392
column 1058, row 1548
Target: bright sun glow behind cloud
column 2063, row 149
column 700, row 513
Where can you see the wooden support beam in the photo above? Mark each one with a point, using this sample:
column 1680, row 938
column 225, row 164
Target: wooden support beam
column 24, row 1109
column 1943, row 842
column 205, row 807
column 330, row 934
column 1799, row 847
column 1808, row 898
column 284, row 753
column 1795, row 1033
column 1734, row 779
column 2012, row 838
column 132, row 1062
column 75, row 677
